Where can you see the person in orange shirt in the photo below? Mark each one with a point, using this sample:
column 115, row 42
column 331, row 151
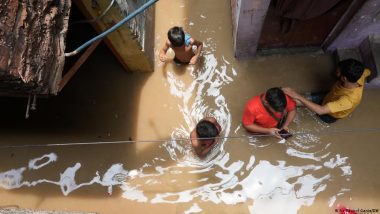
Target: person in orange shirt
column 269, row 113
column 344, row 96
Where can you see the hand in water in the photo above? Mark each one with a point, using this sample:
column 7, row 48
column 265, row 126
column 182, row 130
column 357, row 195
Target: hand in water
column 193, row 60
column 274, row 132
column 162, row 57
column 291, row 92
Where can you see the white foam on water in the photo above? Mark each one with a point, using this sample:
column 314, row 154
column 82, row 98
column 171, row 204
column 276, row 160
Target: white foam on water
column 12, row 179
column 331, row 201
column 346, row 170
column 250, row 163
column 273, row 188
column 115, row 175
column 132, row 193
column 334, row 162
column 193, row 209
column 233, row 181
column 305, row 155
column 207, row 83
column 50, row 158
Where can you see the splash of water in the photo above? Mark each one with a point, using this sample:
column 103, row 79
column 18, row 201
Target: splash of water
column 227, row 180
column 207, row 83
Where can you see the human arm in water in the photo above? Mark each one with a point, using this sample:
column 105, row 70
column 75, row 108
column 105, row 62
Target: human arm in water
column 163, row 51
column 199, row 45
column 319, row 109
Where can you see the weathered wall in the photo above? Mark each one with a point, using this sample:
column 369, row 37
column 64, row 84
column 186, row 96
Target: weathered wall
column 133, row 43
column 365, row 22
column 248, row 18
column 32, row 35
column 142, row 26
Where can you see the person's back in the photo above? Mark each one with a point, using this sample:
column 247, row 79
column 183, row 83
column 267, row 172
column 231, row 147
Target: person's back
column 343, row 97
column 203, row 136
column 182, row 45
column 346, row 94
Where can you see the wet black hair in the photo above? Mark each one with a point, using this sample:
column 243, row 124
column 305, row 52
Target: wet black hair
column 276, row 99
column 351, row 69
column 176, row 36
column 206, row 129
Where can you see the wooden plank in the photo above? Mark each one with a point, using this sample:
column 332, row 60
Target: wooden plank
column 72, row 71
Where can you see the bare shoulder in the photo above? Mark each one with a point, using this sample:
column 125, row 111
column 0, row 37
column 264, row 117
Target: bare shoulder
column 167, row 43
column 193, row 138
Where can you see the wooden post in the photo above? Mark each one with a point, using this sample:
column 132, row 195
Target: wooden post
column 73, row 70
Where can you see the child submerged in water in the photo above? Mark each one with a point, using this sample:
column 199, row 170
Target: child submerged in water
column 182, row 45
column 204, row 136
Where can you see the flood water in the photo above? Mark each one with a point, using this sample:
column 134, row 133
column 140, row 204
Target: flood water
column 318, row 168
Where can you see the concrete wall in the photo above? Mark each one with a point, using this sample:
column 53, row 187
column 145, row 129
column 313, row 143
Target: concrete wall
column 142, row 27
column 248, row 17
column 132, row 44
column 365, row 22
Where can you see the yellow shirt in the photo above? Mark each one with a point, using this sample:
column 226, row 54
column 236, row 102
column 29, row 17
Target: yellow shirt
column 342, row 101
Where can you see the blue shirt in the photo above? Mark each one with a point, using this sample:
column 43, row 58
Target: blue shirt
column 187, row 39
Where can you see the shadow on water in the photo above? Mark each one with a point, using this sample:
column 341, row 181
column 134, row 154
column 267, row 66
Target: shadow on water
column 100, row 103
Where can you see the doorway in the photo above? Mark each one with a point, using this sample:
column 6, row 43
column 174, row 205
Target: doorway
column 292, row 23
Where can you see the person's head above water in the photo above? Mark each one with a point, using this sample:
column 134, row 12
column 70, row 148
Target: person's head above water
column 351, row 69
column 276, row 99
column 206, row 129
column 176, row 36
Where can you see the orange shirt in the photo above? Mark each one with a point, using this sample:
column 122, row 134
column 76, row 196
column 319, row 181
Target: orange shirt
column 255, row 112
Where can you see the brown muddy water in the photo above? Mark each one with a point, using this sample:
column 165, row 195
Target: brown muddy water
column 311, row 172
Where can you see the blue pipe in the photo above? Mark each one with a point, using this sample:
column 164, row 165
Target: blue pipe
column 113, row 28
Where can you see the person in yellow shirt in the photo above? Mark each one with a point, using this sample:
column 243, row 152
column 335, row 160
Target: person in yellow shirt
column 344, row 96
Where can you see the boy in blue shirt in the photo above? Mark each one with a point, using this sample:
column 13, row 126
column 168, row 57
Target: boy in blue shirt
column 182, row 45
